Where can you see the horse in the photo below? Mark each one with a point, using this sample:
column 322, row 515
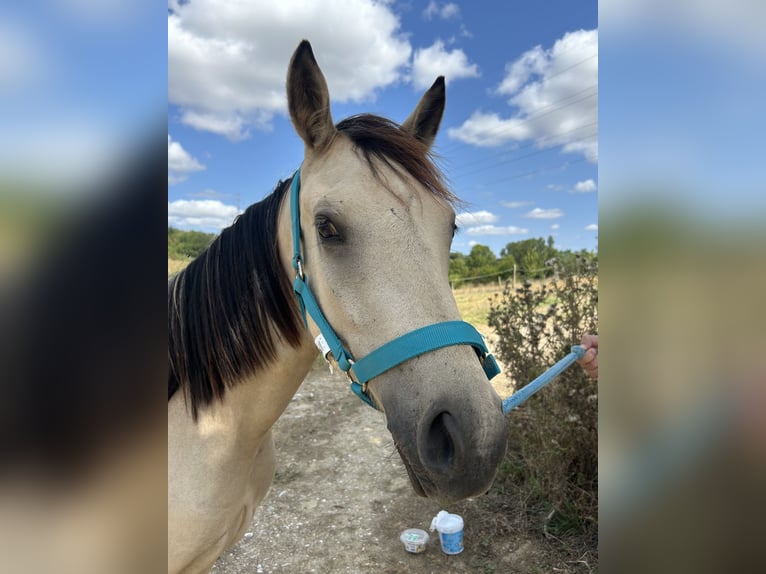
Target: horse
column 369, row 253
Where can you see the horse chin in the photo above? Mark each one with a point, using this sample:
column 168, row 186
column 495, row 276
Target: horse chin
column 421, row 487
column 417, row 486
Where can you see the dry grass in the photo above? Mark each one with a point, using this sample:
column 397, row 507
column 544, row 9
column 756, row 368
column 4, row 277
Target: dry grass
column 473, row 302
column 174, row 265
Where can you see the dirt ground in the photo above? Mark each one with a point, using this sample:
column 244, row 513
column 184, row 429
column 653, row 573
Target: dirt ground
column 341, row 498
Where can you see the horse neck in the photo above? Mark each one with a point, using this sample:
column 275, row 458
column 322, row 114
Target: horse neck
column 233, row 319
column 251, row 406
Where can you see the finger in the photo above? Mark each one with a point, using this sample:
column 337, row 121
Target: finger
column 589, row 356
column 592, row 368
column 589, row 341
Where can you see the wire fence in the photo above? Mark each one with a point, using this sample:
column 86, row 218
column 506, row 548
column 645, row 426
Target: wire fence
column 508, row 273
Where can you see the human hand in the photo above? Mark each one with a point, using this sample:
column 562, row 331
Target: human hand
column 589, row 361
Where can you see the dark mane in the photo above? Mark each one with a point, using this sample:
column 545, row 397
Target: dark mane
column 231, row 306
column 228, row 309
column 381, row 139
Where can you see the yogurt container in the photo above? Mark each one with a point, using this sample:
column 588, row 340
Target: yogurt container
column 450, row 527
column 414, row 540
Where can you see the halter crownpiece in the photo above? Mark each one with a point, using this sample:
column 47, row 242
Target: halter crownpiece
column 389, row 355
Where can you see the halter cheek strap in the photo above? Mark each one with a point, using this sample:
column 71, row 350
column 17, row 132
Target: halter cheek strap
column 389, row 355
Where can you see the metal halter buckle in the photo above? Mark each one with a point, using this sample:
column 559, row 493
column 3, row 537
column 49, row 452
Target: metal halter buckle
column 351, row 379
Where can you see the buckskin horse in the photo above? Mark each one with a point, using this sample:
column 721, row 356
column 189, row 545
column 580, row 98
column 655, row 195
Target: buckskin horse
column 350, row 255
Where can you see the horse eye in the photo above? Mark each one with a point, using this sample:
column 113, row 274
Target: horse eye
column 327, row 229
column 454, row 229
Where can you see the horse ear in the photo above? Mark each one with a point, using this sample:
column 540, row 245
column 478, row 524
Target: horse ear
column 308, row 99
column 424, row 122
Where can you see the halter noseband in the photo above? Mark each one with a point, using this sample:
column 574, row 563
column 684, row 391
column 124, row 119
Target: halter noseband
column 389, row 355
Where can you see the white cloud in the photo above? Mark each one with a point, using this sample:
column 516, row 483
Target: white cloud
column 231, row 125
column 518, row 73
column 446, row 11
column 449, row 10
column 555, row 226
column 495, row 230
column 490, row 130
column 555, row 95
column 180, row 162
column 475, row 218
column 515, row 204
column 434, row 61
column 227, row 61
column 201, row 213
column 591, row 227
column 585, row 186
column 538, row 213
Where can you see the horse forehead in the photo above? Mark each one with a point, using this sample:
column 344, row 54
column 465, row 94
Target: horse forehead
column 352, row 182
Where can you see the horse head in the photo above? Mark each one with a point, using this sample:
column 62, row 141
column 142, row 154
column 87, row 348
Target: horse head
column 376, row 226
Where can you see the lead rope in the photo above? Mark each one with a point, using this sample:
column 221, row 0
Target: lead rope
column 524, row 393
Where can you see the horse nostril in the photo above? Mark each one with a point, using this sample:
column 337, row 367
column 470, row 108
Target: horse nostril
column 439, row 448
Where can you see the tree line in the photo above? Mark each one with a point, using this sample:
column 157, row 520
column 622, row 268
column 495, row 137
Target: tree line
column 532, row 258
column 183, row 245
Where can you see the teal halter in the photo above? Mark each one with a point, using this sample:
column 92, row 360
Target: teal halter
column 390, row 354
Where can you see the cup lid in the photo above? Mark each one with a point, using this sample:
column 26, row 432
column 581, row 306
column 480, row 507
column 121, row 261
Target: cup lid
column 414, row 536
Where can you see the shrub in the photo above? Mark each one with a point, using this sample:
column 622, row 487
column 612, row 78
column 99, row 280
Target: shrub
column 552, row 459
column 184, row 245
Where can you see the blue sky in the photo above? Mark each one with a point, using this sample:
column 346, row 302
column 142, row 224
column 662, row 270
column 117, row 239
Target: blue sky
column 78, row 93
column 519, row 139
column 682, row 112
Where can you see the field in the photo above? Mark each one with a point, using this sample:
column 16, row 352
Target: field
column 174, row 266
column 473, row 302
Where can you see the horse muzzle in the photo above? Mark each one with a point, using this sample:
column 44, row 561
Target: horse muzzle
column 454, row 448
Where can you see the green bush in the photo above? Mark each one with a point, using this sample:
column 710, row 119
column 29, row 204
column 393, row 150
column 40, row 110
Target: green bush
column 183, row 245
column 551, row 463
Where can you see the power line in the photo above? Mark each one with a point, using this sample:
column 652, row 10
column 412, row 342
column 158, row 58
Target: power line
column 490, row 156
column 536, row 171
column 570, row 67
column 495, row 164
column 501, row 273
column 536, row 152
